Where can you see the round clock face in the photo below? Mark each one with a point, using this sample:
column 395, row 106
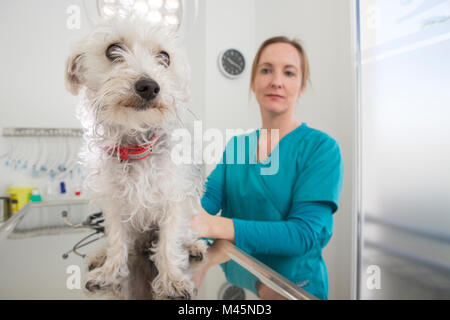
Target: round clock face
column 231, row 63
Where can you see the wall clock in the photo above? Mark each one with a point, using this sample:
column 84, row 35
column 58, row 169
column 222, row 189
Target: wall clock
column 231, row 63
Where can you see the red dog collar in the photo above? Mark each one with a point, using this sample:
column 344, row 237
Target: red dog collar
column 132, row 151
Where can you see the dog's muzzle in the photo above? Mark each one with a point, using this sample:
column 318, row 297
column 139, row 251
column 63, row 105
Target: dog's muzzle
column 147, row 89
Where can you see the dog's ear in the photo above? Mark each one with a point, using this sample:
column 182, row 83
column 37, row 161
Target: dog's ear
column 75, row 73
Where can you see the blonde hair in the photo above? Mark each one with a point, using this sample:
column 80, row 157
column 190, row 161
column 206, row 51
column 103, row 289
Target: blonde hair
column 304, row 62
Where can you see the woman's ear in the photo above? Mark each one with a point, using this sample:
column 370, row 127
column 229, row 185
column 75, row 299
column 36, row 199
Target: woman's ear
column 75, row 73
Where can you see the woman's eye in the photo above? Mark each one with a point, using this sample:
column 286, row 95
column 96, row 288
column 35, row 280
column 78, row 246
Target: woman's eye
column 265, row 70
column 163, row 58
column 289, row 73
column 114, row 52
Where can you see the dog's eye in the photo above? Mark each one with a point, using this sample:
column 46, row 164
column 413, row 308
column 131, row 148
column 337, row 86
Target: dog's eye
column 114, row 52
column 163, row 58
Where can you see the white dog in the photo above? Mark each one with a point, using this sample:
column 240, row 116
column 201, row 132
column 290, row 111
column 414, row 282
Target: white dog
column 135, row 78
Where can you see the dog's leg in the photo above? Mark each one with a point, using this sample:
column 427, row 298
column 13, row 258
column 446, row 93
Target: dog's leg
column 172, row 259
column 114, row 269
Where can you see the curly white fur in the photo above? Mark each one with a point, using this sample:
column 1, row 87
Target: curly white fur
column 143, row 198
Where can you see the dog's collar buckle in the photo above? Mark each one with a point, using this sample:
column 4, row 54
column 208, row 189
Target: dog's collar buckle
column 133, row 152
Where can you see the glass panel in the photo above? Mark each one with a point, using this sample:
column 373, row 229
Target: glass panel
column 405, row 154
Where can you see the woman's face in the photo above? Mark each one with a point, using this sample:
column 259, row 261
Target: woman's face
column 278, row 79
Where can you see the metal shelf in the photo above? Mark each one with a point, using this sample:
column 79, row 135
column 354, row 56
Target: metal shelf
column 42, row 132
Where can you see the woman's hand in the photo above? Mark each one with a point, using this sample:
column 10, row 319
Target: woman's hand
column 216, row 255
column 200, row 223
column 217, row 252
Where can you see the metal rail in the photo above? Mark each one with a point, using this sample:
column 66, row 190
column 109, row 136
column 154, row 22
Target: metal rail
column 266, row 275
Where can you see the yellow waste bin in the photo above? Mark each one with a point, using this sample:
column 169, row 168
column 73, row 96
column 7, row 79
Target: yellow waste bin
column 19, row 197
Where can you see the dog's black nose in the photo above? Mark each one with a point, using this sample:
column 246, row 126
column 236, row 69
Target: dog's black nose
column 148, row 89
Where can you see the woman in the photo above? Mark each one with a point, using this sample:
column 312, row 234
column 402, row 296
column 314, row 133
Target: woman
column 283, row 219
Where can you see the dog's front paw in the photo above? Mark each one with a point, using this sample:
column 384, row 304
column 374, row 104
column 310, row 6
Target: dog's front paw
column 196, row 256
column 185, row 295
column 95, row 260
column 94, row 286
column 197, row 251
column 96, row 281
column 173, row 290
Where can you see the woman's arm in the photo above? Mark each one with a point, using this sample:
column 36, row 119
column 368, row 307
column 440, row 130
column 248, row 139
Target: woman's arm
column 306, row 225
column 292, row 237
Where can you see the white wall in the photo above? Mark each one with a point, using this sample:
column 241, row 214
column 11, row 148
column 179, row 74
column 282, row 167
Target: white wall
column 33, row 91
column 35, row 43
column 229, row 24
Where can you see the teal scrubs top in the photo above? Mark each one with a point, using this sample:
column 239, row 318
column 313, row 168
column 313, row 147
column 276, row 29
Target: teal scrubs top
column 282, row 208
